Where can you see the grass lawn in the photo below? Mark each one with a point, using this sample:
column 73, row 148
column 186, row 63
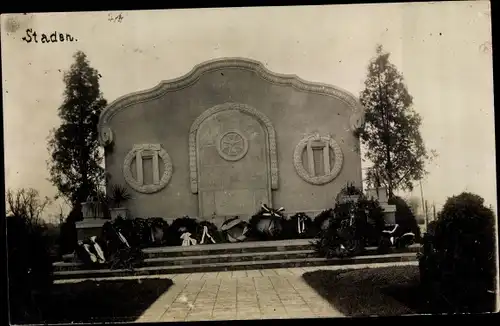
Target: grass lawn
column 384, row 291
column 104, row 301
column 387, row 291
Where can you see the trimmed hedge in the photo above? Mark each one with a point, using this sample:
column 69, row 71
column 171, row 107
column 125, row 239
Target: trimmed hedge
column 457, row 263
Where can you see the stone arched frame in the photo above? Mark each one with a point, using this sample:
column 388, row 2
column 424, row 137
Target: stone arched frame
column 262, row 118
column 356, row 120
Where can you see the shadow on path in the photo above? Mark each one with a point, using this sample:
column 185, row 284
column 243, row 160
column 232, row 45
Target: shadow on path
column 386, row 291
column 100, row 301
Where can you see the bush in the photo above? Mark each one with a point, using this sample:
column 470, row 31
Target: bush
column 322, row 220
column 352, row 226
column 405, row 218
column 29, row 265
column 457, row 262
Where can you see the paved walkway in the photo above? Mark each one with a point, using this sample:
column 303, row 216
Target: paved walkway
column 252, row 294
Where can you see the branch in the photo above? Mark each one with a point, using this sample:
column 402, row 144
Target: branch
column 402, row 178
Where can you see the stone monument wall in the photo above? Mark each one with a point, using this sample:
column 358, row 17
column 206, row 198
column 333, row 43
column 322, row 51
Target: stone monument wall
column 228, row 136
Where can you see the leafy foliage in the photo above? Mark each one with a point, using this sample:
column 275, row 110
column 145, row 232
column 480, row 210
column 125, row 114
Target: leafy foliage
column 457, row 263
column 353, row 224
column 322, row 220
column 391, row 133
column 119, row 194
column 75, row 164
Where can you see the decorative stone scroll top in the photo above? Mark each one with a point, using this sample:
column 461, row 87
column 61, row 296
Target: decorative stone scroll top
column 147, row 151
column 106, row 136
column 324, row 144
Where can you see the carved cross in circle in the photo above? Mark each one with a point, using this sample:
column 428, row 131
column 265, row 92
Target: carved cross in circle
column 232, row 144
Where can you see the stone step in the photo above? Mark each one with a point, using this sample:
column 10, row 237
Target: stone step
column 231, row 266
column 161, row 256
column 225, row 258
column 191, row 257
column 248, row 247
column 222, row 248
column 207, row 259
column 226, row 248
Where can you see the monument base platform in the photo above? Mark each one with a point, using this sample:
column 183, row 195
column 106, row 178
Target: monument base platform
column 231, row 257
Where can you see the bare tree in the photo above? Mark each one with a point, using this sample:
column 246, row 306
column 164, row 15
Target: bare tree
column 26, row 203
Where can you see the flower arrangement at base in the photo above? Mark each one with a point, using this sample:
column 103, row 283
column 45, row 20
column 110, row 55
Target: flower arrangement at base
column 121, row 253
column 267, row 224
column 158, row 228
column 208, row 233
column 176, row 234
column 299, row 226
column 322, row 221
column 355, row 223
column 235, row 229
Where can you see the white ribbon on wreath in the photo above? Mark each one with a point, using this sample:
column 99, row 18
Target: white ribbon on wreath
column 187, row 240
column 98, row 249
column 301, row 225
column 205, row 233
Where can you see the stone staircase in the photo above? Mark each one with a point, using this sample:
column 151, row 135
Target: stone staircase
column 232, row 256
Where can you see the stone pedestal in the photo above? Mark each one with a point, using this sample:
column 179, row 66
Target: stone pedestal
column 89, row 227
column 389, row 213
column 380, row 194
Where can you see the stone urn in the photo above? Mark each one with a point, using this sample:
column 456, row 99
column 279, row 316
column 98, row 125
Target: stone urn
column 92, row 209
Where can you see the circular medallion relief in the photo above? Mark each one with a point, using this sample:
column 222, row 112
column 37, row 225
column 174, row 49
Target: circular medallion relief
column 330, row 172
column 157, row 154
column 232, row 146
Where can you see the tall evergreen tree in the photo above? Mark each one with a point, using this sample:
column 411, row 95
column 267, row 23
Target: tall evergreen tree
column 75, row 164
column 391, row 134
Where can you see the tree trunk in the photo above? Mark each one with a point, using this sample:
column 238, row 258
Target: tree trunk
column 387, row 139
column 389, row 173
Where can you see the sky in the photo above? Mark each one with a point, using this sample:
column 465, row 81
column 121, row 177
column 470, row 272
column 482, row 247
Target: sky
column 443, row 51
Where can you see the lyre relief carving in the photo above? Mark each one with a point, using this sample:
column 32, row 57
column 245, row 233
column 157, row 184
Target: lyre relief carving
column 147, row 151
column 323, row 143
